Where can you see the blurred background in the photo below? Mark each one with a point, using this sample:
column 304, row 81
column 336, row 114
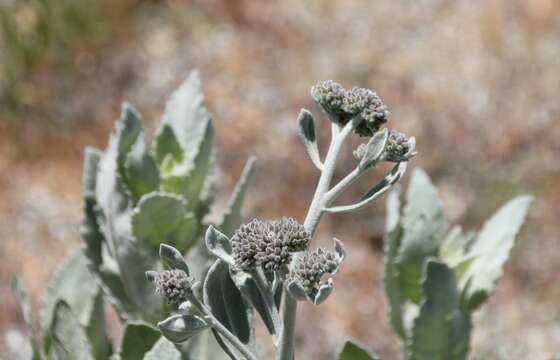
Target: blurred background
column 477, row 82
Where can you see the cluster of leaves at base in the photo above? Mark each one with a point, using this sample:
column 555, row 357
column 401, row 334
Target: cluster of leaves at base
column 437, row 275
column 134, row 199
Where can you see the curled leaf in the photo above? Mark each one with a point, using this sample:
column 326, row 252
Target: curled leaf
column 172, row 258
column 180, row 328
column 218, row 244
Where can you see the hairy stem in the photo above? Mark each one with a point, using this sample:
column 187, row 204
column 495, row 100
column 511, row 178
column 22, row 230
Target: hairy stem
column 286, row 351
column 219, row 327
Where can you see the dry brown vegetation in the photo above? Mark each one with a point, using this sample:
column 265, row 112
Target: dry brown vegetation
column 477, row 82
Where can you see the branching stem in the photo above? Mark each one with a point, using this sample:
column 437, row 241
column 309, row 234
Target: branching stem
column 339, row 135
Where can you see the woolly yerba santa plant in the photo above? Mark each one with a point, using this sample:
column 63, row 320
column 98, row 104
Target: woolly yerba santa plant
column 436, row 275
column 135, row 198
column 270, row 261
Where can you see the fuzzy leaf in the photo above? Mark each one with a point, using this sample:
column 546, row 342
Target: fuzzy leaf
column 393, row 236
column 164, row 218
column 186, row 115
column 25, row 308
column 308, row 136
column 218, row 244
column 115, row 208
column 180, row 328
column 353, row 351
column 227, row 305
column 374, row 149
column 195, row 179
column 96, row 329
column 75, row 285
column 163, row 350
column 172, row 258
column 491, row 250
column 424, row 229
column 140, row 170
column 137, row 340
column 69, row 339
column 95, row 242
column 166, row 146
column 324, row 292
column 232, row 217
column 249, row 288
column 375, row 192
column 441, row 330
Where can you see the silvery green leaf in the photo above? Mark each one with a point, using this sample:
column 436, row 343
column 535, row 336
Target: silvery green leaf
column 393, row 236
column 180, row 328
column 353, row 351
column 374, row 149
column 441, row 330
column 191, row 123
column 296, row 290
column 164, row 218
column 453, row 247
column 232, row 217
column 491, row 249
column 186, row 114
column 375, row 192
column 141, row 174
column 74, row 284
column 138, row 338
column 166, row 145
column 340, row 252
column 262, row 302
column 69, row 339
column 114, row 219
column 218, row 244
column 163, row 349
column 173, row 258
column 228, row 306
column 25, row 308
column 323, row 293
column 196, row 183
column 96, row 329
column 424, row 229
column 308, row 136
column 95, row 248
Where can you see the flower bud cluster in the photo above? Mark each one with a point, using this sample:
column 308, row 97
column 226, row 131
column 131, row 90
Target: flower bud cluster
column 310, row 268
column 357, row 104
column 175, row 285
column 268, row 244
column 397, row 146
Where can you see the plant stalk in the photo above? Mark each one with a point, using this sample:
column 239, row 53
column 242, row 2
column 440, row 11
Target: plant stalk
column 286, row 351
column 219, row 327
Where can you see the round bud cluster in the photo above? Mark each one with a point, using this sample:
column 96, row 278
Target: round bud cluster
column 292, row 232
column 245, row 243
column 362, row 105
column 268, row 244
column 310, row 268
column 367, row 107
column 174, row 285
column 397, row 146
column 330, row 95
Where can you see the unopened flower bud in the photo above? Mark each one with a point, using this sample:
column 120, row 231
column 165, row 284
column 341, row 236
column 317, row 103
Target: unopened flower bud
column 310, row 268
column 399, row 147
column 329, row 95
column 175, row 285
column 368, row 108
